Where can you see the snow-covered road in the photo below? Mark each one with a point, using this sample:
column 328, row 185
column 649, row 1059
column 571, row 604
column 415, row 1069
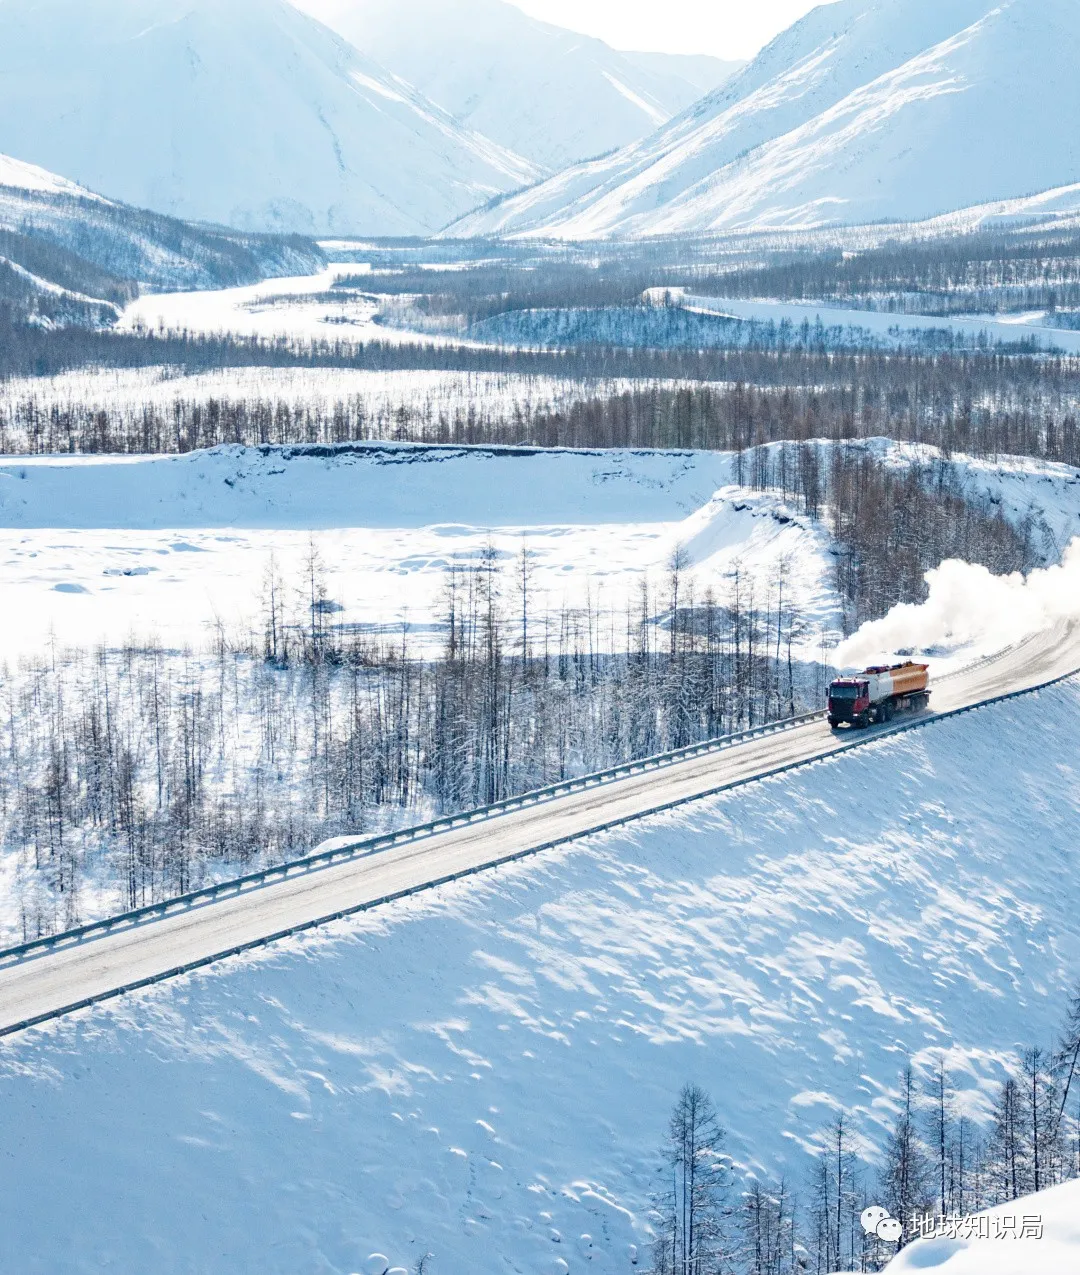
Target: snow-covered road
column 44, row 985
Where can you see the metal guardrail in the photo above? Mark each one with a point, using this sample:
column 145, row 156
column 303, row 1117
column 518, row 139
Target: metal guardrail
column 864, row 738
column 387, row 841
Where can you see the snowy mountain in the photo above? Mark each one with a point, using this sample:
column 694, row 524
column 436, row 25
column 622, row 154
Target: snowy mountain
column 17, row 176
column 68, row 256
column 544, row 92
column 865, row 110
column 246, row 113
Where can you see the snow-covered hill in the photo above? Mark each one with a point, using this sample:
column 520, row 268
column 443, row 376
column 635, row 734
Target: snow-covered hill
column 485, row 1072
column 865, row 110
column 1058, row 208
column 249, row 114
column 18, row 176
column 542, row 91
column 67, row 255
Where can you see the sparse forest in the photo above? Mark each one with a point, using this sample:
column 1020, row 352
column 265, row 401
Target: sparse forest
column 978, row 405
column 163, row 769
column 937, row 1166
column 135, row 775
column 985, row 273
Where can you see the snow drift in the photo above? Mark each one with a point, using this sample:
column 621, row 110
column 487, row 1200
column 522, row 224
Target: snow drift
column 1055, row 1251
column 866, row 110
column 248, row 113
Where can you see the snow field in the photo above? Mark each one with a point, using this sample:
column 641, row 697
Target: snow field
column 485, row 1072
column 98, row 548
column 271, row 309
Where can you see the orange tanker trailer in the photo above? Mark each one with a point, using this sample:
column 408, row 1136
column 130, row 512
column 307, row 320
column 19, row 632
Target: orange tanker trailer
column 875, row 694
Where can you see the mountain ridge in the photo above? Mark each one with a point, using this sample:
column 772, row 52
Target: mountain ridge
column 69, row 257
column 249, row 114
column 865, row 110
column 550, row 94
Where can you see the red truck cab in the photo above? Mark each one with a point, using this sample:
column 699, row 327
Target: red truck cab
column 849, row 701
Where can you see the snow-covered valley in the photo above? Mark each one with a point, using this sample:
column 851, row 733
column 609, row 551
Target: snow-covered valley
column 485, row 1073
column 465, row 505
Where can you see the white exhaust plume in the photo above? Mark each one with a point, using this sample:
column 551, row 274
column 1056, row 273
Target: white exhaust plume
column 969, row 612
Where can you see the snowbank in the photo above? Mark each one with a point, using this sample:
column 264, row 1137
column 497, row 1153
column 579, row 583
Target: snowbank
column 1056, row 1251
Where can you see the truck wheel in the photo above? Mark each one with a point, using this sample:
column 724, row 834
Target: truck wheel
column 833, row 723
column 887, row 712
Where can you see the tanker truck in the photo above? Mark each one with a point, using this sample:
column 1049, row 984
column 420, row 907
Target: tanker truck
column 875, row 694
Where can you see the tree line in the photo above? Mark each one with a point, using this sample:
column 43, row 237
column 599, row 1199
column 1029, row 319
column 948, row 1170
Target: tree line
column 978, row 405
column 987, row 272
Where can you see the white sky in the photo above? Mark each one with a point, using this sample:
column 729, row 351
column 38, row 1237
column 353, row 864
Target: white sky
column 725, row 28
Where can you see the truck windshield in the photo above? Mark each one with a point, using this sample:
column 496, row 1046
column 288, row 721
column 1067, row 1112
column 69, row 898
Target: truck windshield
column 844, row 692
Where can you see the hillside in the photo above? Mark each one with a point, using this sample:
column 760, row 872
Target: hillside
column 549, row 94
column 70, row 257
column 485, row 1072
column 863, row 111
column 248, row 114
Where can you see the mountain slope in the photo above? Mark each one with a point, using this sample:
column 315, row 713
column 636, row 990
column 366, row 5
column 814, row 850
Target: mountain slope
column 17, row 176
column 485, row 1071
column 544, row 92
column 247, row 113
column 68, row 256
column 865, row 110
